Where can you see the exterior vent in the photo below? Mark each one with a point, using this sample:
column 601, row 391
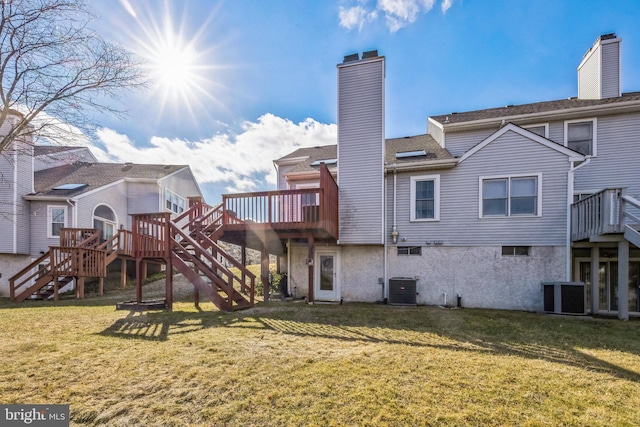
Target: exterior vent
column 565, row 298
column 402, row 291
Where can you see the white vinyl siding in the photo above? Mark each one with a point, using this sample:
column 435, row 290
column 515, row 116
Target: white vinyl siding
column 425, row 198
column 538, row 129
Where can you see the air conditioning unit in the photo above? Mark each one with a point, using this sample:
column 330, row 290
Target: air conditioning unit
column 402, row 291
column 565, row 297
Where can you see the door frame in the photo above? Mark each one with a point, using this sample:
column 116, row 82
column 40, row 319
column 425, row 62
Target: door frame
column 326, row 295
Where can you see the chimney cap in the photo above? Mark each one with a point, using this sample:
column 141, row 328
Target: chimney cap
column 608, row 36
column 352, row 57
column 370, row 54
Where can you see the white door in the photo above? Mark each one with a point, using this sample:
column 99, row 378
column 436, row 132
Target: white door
column 326, row 286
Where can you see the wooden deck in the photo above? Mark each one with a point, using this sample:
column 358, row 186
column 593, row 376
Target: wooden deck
column 606, row 213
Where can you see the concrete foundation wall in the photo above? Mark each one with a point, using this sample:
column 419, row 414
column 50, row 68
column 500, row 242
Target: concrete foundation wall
column 482, row 276
column 10, row 265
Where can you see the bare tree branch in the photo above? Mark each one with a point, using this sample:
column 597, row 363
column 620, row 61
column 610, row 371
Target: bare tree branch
column 54, row 70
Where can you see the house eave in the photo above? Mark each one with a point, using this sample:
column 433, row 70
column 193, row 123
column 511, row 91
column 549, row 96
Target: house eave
column 424, row 165
column 569, row 113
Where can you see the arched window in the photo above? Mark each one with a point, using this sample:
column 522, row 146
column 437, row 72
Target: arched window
column 104, row 219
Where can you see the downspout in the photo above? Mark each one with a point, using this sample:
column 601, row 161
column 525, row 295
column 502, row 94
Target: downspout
column 394, row 235
column 385, row 258
column 570, row 186
column 72, row 203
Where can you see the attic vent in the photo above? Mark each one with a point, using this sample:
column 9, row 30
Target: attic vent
column 69, row 186
column 370, row 54
column 352, row 57
column 325, row 161
column 127, row 166
column 415, row 153
column 167, row 167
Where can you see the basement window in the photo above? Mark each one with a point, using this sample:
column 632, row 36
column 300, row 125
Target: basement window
column 409, row 250
column 516, row 250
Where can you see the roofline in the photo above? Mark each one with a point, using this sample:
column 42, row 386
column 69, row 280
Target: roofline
column 555, row 114
column 190, row 173
column 291, row 160
column 425, row 164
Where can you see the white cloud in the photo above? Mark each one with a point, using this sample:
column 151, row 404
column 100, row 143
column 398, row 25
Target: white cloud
column 397, row 13
column 356, row 16
column 242, row 162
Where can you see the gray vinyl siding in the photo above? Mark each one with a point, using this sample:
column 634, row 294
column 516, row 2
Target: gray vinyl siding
column 7, row 205
column 16, row 180
column 616, row 164
column 610, row 78
column 459, row 223
column 361, row 151
column 39, row 223
column 143, row 198
column 114, row 196
column 24, row 186
column 460, row 142
column 182, row 184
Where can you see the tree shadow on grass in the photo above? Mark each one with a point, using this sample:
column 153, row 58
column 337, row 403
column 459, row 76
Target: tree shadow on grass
column 564, row 341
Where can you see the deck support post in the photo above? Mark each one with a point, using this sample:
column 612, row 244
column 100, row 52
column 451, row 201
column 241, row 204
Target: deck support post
column 123, row 273
column 56, row 288
column 310, row 258
column 101, row 286
column 80, row 288
column 169, row 285
column 623, row 280
column 264, row 270
column 139, row 265
column 595, row 279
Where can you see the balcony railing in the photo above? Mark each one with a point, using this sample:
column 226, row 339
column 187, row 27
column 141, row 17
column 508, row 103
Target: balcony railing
column 601, row 213
column 300, row 209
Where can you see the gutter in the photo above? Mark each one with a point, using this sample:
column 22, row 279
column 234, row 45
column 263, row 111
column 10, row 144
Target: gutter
column 570, row 186
column 425, row 164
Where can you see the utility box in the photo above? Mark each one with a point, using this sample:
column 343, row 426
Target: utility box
column 402, row 291
column 565, row 297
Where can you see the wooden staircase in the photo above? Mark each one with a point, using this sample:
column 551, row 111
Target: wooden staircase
column 80, row 255
column 188, row 244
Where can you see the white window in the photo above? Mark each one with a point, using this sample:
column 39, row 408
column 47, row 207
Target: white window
column 580, row 135
column 541, row 129
column 510, row 196
column 425, row 198
column 173, row 202
column 57, row 219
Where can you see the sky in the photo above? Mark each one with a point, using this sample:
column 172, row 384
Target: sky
column 236, row 84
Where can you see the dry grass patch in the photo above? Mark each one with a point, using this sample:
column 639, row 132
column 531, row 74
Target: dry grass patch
column 296, row 364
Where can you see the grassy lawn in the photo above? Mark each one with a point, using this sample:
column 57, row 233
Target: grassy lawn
column 297, row 364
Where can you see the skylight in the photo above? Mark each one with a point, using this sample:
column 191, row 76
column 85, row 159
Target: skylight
column 415, row 153
column 325, row 161
column 69, row 186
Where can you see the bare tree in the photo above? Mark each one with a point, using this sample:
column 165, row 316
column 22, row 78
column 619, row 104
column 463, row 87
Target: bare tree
column 55, row 71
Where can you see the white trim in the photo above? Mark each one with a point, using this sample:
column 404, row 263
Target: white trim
column 115, row 214
column 538, row 213
column 536, row 125
column 15, row 196
column 50, row 234
column 573, row 155
column 594, row 133
column 436, row 198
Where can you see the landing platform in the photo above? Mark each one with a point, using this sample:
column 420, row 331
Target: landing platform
column 142, row 306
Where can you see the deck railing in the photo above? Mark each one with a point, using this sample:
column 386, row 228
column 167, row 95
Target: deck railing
column 150, row 235
column 598, row 214
column 308, row 208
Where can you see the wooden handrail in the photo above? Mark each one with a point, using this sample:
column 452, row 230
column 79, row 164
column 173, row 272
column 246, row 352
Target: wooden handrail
column 12, row 280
